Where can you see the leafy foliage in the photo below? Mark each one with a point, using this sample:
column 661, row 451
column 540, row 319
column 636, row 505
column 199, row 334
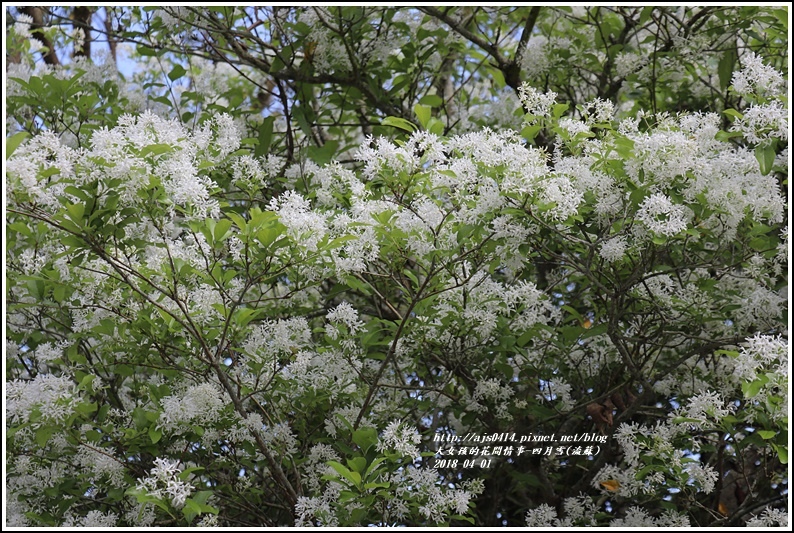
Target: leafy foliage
column 270, row 275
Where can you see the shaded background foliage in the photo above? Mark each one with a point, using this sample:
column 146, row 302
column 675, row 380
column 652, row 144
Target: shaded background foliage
column 307, row 86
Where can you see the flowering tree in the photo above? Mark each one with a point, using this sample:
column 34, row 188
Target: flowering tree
column 356, row 266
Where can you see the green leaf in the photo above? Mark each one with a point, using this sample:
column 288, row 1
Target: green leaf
column 177, row 72
column 342, row 470
column 435, row 126
column 191, row 510
column 765, row 154
column 323, row 154
column 557, row 110
column 265, row 136
column 684, row 420
column 85, row 383
column 43, row 435
column 782, row 453
column 374, row 466
column 76, row 212
column 725, row 67
column 155, row 434
column 423, row 114
column 468, row 519
column 221, row 229
column 524, row 339
column 752, row 388
column 723, row 136
column 13, row 142
column 733, row 114
column 645, row 14
column 432, row 100
column 760, row 244
column 156, row 149
column 530, row 132
column 239, row 221
column 357, row 464
column 185, row 474
column 365, row 438
column 146, row 50
column 497, row 75
column 202, row 497
column 766, row 434
column 572, row 311
column 244, row 315
column 400, row 123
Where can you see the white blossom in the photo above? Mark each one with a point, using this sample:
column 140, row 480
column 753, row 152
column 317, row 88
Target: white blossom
column 757, row 78
column 542, row 516
column 400, row 438
column 163, row 482
column 661, row 216
column 614, row 249
column 535, row 102
column 770, row 517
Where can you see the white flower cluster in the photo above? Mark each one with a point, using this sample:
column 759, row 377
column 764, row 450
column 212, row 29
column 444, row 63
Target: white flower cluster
column 629, row 62
column 482, row 108
column 343, row 314
column 280, row 438
column 770, row 518
column 557, row 390
column 681, row 155
column 48, row 352
column 614, row 249
column 53, row 396
column 650, row 441
column 536, row 102
column 763, row 353
column 400, row 438
column 93, row 519
column 304, row 224
column 101, row 462
column 316, row 512
column 172, row 16
column 481, row 301
column 44, row 152
column 767, row 357
column 638, row 517
column 581, row 511
column 543, row 515
column 22, row 25
column 702, row 476
column 708, row 408
column 276, row 337
column 163, row 481
column 140, row 148
column 328, row 54
column 493, row 391
column 560, row 192
column 760, row 123
column 755, row 78
column 757, row 305
column 600, row 111
column 438, row 500
column 208, row 520
column 202, row 402
column 535, row 58
column 623, row 479
column 333, row 371
column 316, row 465
column 661, row 216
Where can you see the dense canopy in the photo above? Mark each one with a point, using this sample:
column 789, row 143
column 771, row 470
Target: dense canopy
column 358, row 266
